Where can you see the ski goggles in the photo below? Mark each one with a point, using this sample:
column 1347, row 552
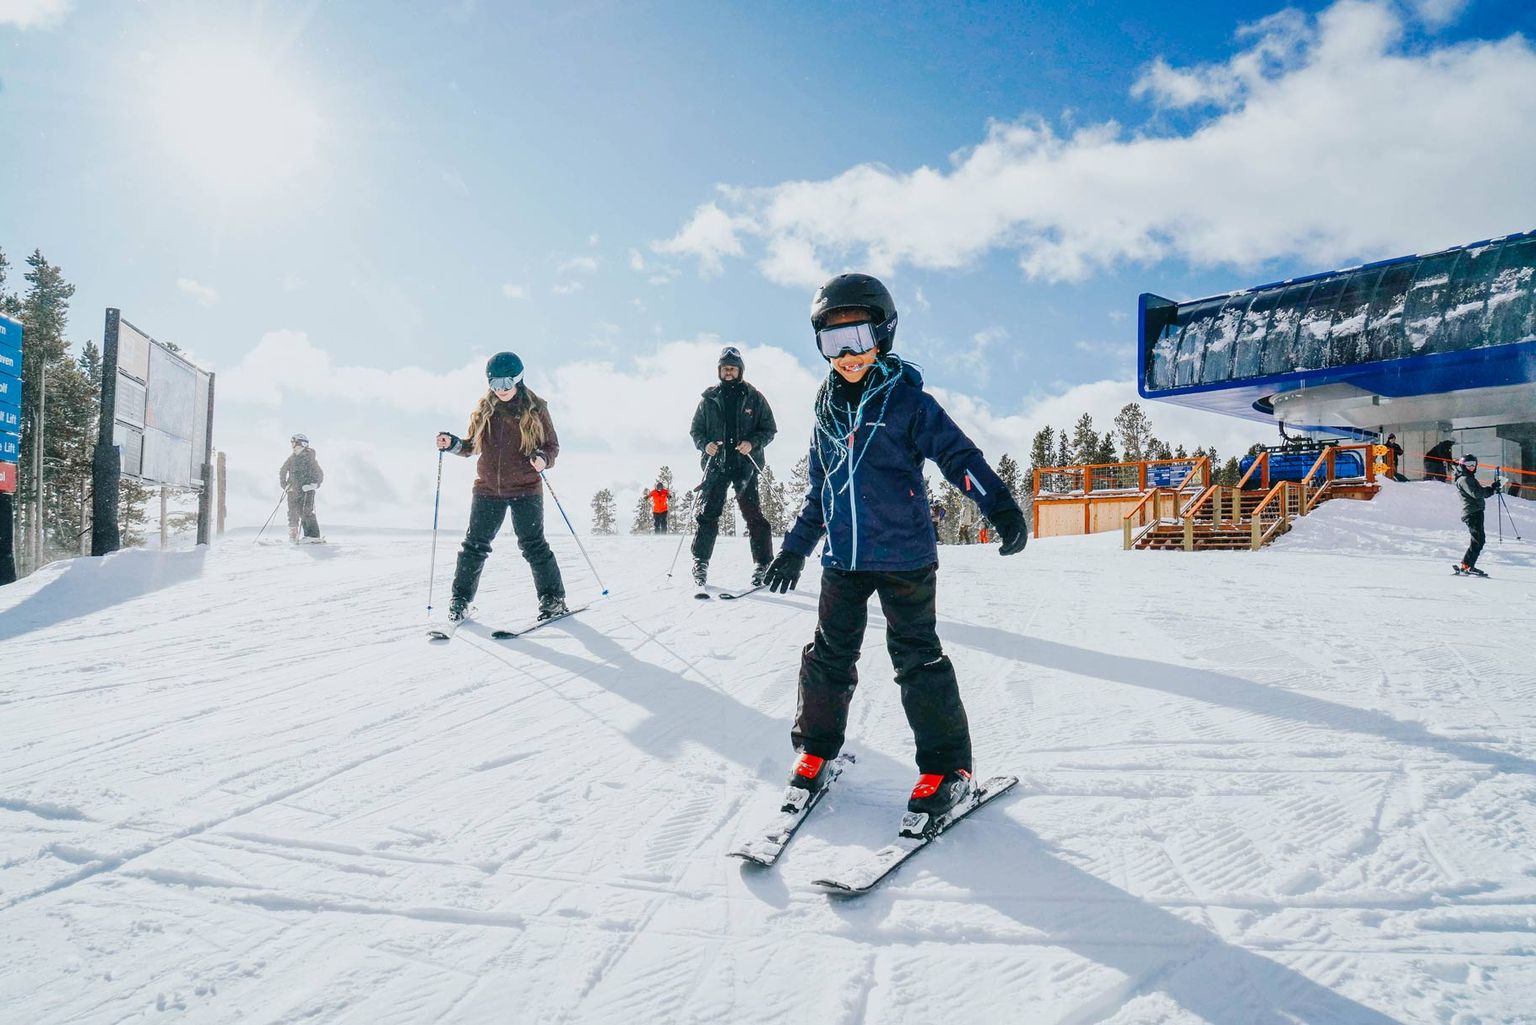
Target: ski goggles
column 855, row 338
column 504, row 383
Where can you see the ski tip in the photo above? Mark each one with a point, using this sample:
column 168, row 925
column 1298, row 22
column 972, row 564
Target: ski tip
column 605, row 592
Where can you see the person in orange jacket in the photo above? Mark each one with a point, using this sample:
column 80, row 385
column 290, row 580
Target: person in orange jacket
column 659, row 496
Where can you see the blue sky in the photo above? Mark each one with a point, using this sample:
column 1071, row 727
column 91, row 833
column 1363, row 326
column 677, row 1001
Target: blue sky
column 615, row 189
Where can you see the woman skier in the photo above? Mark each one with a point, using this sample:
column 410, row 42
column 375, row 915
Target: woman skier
column 874, row 428
column 511, row 432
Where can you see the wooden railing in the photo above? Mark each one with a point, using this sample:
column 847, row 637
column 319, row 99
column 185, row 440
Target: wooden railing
column 1274, row 514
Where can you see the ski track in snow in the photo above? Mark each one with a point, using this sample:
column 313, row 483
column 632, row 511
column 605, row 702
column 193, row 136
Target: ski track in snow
column 1291, row 786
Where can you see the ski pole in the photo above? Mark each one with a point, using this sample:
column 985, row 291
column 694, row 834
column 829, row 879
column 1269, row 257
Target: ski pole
column 280, row 496
column 699, row 487
column 567, row 519
column 436, row 498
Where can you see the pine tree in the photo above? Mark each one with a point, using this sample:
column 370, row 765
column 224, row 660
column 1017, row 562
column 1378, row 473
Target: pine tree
column 643, row 524
column 604, row 513
column 1063, row 456
column 799, row 484
column 44, row 315
column 1008, row 473
column 1135, row 430
column 1085, row 440
column 685, row 513
column 953, row 504
column 1104, row 452
column 770, row 492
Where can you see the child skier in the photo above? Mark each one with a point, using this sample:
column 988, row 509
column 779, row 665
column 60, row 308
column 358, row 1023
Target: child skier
column 874, row 427
column 510, row 430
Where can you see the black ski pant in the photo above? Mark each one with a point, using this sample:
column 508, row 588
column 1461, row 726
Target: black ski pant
column 485, row 518
column 1479, row 538
column 660, row 522
column 930, row 693
column 712, row 504
column 301, row 513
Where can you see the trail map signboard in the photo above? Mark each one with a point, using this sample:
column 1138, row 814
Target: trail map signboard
column 10, row 441
column 156, row 424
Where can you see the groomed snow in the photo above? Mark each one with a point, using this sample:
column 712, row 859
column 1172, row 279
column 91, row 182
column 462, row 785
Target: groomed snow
column 238, row 785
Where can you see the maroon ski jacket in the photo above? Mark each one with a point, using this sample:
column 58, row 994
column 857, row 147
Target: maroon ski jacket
column 504, row 470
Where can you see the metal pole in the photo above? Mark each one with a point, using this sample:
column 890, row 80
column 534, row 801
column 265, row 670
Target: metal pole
column 165, row 494
column 205, row 497
column 39, row 533
column 436, row 498
column 107, row 465
column 572, row 529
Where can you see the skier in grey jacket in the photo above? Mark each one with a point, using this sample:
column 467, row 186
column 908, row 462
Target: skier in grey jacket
column 1474, row 499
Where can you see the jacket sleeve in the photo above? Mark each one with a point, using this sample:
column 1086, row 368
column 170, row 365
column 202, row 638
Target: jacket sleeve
column 551, row 446
column 938, row 438
column 285, row 473
column 767, row 428
column 810, row 525
column 319, row 473
column 700, row 428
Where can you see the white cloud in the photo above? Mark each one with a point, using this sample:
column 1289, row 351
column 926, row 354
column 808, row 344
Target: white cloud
column 1438, row 13
column 26, row 14
column 1324, row 140
column 579, row 265
column 593, row 239
column 202, row 293
column 514, row 291
column 568, row 287
column 710, row 236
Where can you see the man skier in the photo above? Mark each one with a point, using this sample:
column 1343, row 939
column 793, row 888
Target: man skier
column 1474, row 498
column 874, row 428
column 300, row 478
column 731, row 427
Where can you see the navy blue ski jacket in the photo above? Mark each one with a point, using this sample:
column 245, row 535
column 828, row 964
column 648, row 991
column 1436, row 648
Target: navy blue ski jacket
column 867, row 493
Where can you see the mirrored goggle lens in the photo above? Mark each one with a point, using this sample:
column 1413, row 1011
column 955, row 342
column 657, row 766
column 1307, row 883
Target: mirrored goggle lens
column 505, row 383
column 855, row 338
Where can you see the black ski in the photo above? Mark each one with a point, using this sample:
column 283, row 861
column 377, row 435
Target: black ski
column 507, row 635
column 728, row 596
column 916, row 833
column 765, row 846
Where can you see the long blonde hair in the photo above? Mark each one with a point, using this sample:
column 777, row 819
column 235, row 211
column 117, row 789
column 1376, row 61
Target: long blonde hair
column 530, row 423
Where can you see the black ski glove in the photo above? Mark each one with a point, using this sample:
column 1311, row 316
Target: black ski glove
column 454, row 442
column 1013, row 528
column 784, row 572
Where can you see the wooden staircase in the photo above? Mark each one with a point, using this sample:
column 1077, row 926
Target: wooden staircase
column 1242, row 517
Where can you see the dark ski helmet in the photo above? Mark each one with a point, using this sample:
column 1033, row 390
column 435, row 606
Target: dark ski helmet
column 504, row 366
column 859, row 291
column 730, row 356
column 1469, row 463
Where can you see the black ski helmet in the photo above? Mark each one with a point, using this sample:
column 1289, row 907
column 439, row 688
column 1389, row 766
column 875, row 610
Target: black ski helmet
column 504, row 364
column 730, row 356
column 860, row 291
column 1469, row 463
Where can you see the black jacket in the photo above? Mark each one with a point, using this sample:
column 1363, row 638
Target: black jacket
column 753, row 421
column 1474, row 496
column 300, row 469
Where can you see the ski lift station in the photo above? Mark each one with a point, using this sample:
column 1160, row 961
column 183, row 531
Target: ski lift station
column 1437, row 349
column 1432, row 348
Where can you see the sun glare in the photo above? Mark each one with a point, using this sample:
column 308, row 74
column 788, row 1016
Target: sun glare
column 232, row 122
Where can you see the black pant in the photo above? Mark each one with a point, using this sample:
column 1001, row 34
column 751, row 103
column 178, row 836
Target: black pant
column 301, row 512
column 1479, row 538
column 744, row 479
column 485, row 519
column 929, row 692
column 660, row 522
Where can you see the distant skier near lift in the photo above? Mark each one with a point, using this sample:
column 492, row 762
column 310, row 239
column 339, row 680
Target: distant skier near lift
column 300, row 477
column 1474, row 499
column 874, row 427
column 512, row 433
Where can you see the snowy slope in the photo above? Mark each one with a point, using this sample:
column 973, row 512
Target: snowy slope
column 1297, row 785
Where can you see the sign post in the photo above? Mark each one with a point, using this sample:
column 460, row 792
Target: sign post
column 10, row 442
